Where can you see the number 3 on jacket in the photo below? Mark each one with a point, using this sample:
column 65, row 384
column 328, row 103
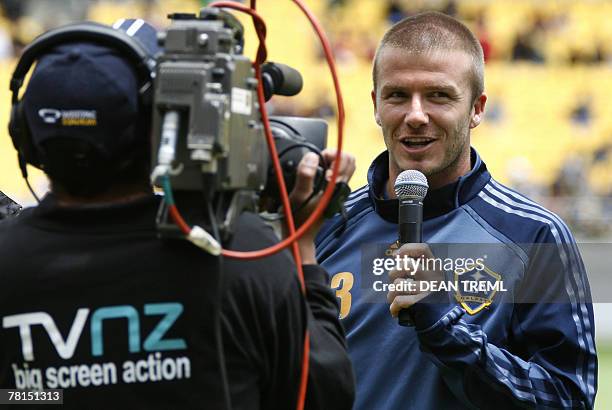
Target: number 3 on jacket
column 343, row 283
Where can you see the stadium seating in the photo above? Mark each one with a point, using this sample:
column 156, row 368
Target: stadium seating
column 532, row 104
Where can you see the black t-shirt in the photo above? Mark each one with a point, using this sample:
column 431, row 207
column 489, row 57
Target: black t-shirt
column 93, row 302
column 264, row 319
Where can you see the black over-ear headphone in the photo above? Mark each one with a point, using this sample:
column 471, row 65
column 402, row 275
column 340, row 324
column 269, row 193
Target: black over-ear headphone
column 128, row 47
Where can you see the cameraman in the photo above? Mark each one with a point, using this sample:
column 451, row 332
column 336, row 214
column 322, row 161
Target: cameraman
column 8, row 207
column 94, row 303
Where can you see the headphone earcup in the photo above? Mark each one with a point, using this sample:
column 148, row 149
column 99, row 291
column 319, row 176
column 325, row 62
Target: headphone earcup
column 20, row 135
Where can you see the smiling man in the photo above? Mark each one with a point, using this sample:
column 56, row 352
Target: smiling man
column 426, row 108
column 530, row 345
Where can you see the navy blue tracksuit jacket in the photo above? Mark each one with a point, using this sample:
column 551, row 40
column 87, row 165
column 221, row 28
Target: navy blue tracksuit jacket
column 527, row 344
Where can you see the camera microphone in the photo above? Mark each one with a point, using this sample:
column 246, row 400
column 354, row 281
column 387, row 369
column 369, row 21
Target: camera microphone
column 280, row 79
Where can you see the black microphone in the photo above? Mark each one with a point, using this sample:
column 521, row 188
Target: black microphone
column 280, row 79
column 410, row 188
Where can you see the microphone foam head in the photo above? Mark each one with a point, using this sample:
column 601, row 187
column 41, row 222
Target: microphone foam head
column 411, row 184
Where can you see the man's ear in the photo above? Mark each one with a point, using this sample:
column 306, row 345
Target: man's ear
column 376, row 116
column 478, row 110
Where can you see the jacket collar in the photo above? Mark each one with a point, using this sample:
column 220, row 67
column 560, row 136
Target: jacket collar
column 438, row 201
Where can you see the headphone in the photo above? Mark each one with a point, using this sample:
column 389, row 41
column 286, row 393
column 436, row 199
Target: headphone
column 128, row 47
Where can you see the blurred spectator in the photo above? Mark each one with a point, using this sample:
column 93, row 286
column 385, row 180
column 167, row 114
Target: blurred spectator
column 602, row 153
column 451, row 9
column 367, row 47
column 341, row 46
column 482, row 33
column 333, row 4
column 12, row 9
column 395, row 12
column 524, row 49
column 323, row 108
column 600, row 54
column 540, row 24
column 6, row 44
column 571, row 178
column 496, row 110
column 574, row 200
column 29, row 18
column 284, row 106
column 577, row 56
column 582, row 113
column 53, row 13
column 520, row 177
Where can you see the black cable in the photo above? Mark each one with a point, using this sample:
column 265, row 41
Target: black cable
column 308, row 145
column 32, row 191
column 215, row 232
column 24, row 173
column 213, row 221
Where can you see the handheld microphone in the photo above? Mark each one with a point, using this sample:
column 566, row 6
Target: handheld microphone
column 410, row 188
column 280, row 79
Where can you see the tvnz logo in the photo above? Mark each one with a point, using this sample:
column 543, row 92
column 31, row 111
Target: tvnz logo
column 65, row 348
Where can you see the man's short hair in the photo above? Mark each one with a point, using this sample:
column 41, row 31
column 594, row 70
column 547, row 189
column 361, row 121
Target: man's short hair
column 430, row 32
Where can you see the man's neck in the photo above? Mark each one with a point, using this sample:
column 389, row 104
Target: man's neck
column 117, row 196
column 437, row 180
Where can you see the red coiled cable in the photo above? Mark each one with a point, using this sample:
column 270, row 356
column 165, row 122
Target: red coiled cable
column 294, row 235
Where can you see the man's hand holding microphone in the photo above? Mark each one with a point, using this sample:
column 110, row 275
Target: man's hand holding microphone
column 416, row 273
column 411, row 188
